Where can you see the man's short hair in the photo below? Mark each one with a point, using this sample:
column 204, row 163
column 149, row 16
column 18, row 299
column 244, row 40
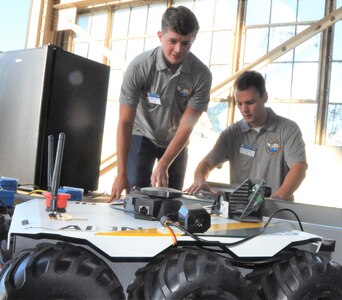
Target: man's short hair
column 248, row 79
column 179, row 19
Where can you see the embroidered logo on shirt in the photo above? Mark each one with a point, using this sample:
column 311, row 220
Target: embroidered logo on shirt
column 183, row 91
column 273, row 147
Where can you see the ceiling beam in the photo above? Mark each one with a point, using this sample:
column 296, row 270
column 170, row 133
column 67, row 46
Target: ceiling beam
column 80, row 4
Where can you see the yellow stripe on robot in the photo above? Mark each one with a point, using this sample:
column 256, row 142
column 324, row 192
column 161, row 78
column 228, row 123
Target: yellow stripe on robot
column 161, row 232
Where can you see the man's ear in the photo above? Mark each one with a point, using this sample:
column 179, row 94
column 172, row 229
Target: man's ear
column 160, row 35
column 265, row 97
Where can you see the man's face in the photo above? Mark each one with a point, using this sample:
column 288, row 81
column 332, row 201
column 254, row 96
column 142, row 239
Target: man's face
column 175, row 46
column 252, row 106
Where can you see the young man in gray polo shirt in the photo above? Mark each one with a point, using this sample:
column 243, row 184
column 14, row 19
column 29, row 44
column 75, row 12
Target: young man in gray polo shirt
column 163, row 94
column 262, row 145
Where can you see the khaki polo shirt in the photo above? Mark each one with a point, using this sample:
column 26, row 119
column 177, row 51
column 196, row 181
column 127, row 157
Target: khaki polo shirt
column 160, row 96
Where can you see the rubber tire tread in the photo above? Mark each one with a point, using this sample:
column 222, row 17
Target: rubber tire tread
column 305, row 276
column 190, row 273
column 60, row 271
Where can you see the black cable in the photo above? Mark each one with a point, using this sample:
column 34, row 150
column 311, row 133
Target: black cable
column 165, row 221
column 265, row 226
column 286, row 209
column 187, row 232
column 247, row 238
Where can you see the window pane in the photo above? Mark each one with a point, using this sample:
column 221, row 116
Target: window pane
column 307, row 124
column 295, row 112
column 201, row 46
column 256, row 44
column 81, row 49
column 114, row 87
column 109, row 141
column 95, row 53
column 279, row 35
column 309, row 12
column 204, row 11
column 99, row 25
column 155, row 13
column 83, row 21
column 151, row 43
column 220, row 73
column 337, row 52
column 225, row 14
column 137, row 21
column 335, row 84
column 134, row 47
column 305, row 89
column 217, row 114
column 283, row 11
column 120, row 23
column 309, row 50
column 262, row 7
column 187, row 3
column 278, row 81
column 222, row 47
column 334, row 125
column 118, row 52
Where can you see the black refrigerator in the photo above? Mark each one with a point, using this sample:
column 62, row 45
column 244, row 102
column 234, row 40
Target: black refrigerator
column 45, row 91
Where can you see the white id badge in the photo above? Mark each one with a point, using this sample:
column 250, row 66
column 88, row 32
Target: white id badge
column 248, row 150
column 153, row 98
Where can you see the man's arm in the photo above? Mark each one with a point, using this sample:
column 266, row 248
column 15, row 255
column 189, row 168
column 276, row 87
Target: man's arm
column 190, row 117
column 291, row 182
column 201, row 175
column 123, row 142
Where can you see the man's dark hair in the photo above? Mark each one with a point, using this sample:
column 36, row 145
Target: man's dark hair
column 248, row 79
column 179, row 19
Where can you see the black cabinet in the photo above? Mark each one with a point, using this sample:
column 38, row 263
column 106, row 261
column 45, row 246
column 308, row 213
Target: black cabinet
column 47, row 91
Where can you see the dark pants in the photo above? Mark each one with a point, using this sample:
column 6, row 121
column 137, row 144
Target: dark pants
column 141, row 158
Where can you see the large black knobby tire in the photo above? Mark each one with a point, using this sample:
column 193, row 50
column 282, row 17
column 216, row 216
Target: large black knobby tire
column 5, row 255
column 59, row 271
column 190, row 273
column 305, row 276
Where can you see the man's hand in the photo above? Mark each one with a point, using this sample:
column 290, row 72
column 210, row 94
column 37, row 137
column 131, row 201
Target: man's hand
column 160, row 176
column 199, row 185
column 120, row 184
column 201, row 174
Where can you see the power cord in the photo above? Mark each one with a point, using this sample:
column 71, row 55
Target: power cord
column 165, row 221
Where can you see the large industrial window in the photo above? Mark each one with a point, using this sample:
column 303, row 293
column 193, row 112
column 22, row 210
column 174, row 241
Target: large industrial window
column 94, row 23
column 134, row 30
column 278, row 21
column 292, row 80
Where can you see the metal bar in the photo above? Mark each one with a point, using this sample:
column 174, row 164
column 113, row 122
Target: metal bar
column 323, row 87
column 50, row 162
column 94, row 3
column 57, row 171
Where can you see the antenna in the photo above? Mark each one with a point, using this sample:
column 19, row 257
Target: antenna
column 50, row 162
column 57, row 173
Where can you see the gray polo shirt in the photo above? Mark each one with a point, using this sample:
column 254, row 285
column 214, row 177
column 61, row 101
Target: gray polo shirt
column 267, row 155
column 160, row 96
